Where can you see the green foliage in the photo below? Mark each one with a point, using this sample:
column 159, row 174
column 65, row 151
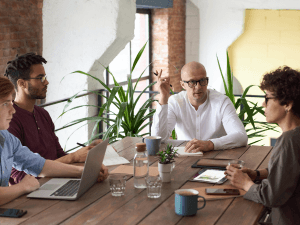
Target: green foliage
column 247, row 109
column 128, row 121
column 167, row 156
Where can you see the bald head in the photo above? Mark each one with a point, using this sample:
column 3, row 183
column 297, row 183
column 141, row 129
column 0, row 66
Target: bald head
column 192, row 69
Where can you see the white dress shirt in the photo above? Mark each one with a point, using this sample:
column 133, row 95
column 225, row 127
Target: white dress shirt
column 215, row 120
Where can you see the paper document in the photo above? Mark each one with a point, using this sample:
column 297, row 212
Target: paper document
column 174, row 142
column 183, row 153
column 112, row 157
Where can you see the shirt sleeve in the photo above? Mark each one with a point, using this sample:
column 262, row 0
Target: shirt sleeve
column 236, row 134
column 25, row 160
column 281, row 183
column 60, row 151
column 164, row 121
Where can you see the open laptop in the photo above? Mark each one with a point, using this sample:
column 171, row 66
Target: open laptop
column 72, row 189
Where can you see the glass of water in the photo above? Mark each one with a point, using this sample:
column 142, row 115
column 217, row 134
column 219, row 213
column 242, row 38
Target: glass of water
column 237, row 163
column 117, row 184
column 153, row 184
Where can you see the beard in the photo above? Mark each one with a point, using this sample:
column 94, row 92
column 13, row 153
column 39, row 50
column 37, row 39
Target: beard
column 34, row 93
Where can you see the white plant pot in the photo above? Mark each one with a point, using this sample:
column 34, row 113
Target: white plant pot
column 165, row 171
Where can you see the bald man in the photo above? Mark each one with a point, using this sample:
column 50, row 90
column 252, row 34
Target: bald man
column 204, row 117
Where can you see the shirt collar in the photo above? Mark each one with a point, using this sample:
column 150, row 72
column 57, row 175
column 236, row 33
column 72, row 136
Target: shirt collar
column 2, row 140
column 202, row 105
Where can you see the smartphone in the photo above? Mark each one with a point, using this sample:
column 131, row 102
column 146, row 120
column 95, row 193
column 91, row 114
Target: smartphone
column 217, row 191
column 15, row 213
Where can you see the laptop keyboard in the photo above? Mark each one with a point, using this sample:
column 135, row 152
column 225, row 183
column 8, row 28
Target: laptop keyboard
column 68, row 189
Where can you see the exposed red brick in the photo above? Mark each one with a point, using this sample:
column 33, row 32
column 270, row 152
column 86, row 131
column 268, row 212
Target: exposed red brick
column 168, row 41
column 20, row 28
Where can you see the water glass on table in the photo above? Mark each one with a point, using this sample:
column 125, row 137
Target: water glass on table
column 236, row 163
column 117, row 184
column 153, row 184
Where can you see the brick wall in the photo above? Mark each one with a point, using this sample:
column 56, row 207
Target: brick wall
column 168, row 41
column 20, row 29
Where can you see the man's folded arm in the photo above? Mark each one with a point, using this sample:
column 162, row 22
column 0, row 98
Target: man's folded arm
column 236, row 135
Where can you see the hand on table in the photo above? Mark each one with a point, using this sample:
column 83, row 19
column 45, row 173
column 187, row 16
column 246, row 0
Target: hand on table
column 163, row 87
column 198, row 146
column 238, row 178
column 80, row 154
column 29, row 183
column 95, row 142
column 103, row 173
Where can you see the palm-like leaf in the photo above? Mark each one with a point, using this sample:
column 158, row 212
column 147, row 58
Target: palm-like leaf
column 128, row 121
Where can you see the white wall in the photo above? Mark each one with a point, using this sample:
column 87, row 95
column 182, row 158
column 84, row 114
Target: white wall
column 82, row 35
column 192, row 32
column 221, row 23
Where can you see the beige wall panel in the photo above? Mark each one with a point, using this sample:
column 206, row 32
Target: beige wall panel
column 293, row 63
column 282, row 23
column 284, row 51
column 291, row 37
column 255, row 19
column 261, row 37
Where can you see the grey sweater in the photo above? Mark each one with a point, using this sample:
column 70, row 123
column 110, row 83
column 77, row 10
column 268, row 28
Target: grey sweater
column 281, row 190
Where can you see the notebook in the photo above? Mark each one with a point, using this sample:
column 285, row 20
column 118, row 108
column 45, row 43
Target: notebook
column 72, row 189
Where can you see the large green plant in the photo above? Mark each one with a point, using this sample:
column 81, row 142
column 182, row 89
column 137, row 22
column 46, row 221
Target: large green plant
column 128, row 120
column 248, row 110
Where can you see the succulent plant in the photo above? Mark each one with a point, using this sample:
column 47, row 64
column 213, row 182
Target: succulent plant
column 167, row 156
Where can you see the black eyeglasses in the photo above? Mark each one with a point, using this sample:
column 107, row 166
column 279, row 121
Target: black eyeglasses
column 267, row 99
column 193, row 83
column 37, row 78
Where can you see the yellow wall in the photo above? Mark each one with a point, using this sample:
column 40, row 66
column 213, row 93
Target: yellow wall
column 271, row 39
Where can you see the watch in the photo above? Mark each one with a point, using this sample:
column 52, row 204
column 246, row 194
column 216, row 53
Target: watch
column 257, row 175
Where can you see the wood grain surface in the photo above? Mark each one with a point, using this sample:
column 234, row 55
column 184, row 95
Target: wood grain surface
column 98, row 206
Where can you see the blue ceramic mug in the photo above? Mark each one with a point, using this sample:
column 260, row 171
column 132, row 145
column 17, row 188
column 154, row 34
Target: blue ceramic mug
column 152, row 144
column 186, row 202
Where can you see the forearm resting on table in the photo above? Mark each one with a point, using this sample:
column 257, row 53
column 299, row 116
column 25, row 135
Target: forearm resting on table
column 10, row 193
column 263, row 174
column 58, row 169
column 67, row 159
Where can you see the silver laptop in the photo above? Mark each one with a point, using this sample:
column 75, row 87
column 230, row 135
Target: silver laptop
column 72, row 189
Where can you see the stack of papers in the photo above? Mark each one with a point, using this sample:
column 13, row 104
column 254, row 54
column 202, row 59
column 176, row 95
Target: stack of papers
column 112, row 157
column 181, row 152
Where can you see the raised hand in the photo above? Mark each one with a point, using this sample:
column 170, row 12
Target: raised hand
column 163, row 88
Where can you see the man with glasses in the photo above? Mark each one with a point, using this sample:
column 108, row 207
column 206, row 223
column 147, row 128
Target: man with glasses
column 31, row 124
column 204, row 117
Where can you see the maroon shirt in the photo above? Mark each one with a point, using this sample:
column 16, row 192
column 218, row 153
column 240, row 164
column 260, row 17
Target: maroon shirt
column 36, row 131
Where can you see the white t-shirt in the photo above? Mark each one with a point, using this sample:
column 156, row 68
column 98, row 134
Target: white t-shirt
column 215, row 120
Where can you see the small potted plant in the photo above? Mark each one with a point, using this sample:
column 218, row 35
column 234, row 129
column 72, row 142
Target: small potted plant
column 166, row 163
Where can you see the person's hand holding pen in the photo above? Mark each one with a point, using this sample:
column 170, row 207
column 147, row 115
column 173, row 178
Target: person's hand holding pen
column 163, row 88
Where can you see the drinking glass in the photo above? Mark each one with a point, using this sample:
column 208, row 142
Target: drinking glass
column 117, row 184
column 237, row 163
column 153, row 184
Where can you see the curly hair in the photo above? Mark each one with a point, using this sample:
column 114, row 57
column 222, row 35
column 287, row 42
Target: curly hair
column 19, row 68
column 6, row 87
column 285, row 84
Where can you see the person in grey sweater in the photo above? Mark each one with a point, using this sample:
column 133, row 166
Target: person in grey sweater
column 280, row 185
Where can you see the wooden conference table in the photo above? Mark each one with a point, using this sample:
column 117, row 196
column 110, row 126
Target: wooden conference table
column 98, row 206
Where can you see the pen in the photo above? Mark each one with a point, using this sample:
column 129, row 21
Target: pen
column 156, row 74
column 82, row 145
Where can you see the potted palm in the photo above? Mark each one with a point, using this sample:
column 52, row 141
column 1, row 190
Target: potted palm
column 166, row 163
column 129, row 120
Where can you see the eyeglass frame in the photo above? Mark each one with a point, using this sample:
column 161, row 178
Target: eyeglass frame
column 267, row 99
column 197, row 81
column 42, row 79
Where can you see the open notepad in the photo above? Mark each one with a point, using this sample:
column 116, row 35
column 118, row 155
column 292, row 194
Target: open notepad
column 181, row 152
column 112, row 157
